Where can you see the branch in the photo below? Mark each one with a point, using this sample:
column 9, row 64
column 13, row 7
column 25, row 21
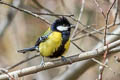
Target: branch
column 57, row 63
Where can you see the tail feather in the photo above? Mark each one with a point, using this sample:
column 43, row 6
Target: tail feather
column 27, row 50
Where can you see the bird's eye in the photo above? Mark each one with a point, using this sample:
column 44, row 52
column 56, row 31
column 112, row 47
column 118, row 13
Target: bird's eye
column 62, row 28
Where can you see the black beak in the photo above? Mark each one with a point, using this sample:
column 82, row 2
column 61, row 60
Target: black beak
column 72, row 26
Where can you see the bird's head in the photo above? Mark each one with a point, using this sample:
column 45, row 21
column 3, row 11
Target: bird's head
column 61, row 25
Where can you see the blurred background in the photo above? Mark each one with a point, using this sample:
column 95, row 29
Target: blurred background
column 19, row 30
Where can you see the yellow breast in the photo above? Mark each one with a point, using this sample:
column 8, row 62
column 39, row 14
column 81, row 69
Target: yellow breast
column 51, row 44
column 67, row 46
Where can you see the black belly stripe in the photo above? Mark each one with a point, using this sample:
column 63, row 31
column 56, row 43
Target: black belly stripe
column 61, row 49
column 59, row 52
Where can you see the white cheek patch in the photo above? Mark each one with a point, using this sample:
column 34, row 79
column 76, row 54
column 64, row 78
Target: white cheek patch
column 62, row 28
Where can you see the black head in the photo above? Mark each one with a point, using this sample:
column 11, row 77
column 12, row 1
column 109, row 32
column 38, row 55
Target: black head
column 61, row 25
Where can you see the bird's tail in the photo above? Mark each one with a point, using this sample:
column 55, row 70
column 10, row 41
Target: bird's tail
column 27, row 50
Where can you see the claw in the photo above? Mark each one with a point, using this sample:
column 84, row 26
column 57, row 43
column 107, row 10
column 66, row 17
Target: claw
column 63, row 58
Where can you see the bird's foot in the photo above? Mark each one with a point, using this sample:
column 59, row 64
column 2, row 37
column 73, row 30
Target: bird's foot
column 42, row 62
column 65, row 59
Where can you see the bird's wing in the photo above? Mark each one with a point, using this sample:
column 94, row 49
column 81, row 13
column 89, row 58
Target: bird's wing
column 43, row 38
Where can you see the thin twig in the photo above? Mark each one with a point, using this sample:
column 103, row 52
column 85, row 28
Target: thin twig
column 26, row 11
column 94, row 32
column 80, row 15
column 53, row 14
column 107, row 17
column 93, row 36
column 95, row 60
column 105, row 43
column 106, row 27
column 73, row 18
column 117, row 11
column 100, row 8
column 77, row 46
column 21, row 62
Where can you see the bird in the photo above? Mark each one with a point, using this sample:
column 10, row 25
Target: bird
column 54, row 42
